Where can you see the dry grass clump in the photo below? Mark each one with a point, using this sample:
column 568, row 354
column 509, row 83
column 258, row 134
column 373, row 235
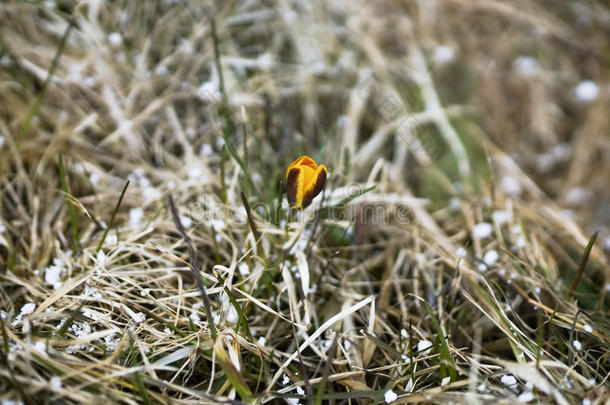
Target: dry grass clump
column 449, row 259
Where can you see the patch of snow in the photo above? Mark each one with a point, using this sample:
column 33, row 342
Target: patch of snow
column 285, row 379
column 135, row 217
column 444, row 54
column 115, row 39
column 482, row 230
column 508, row 380
column 501, row 217
column 40, row 346
column 55, row 383
column 53, row 273
column 206, row 150
column 586, row 91
column 424, row 347
column 577, row 196
column 526, row 66
column 511, row 186
column 25, row 310
column 490, row 257
column 527, row 396
column 390, row 396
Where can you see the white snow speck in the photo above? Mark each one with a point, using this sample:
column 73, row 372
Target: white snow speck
column 115, row 39
column 404, row 333
column 445, row 381
column 1, row 141
column 285, row 379
column 111, row 239
column 25, row 310
column 206, row 150
column 424, row 347
column 410, row 385
column 28, row 308
column 135, row 217
column 40, row 346
column 151, row 193
column 481, row 387
column 261, row 341
column 454, row 204
column 577, row 345
column 511, row 186
column 161, row 70
column 501, row 217
column 139, row 317
column 232, row 315
column 586, row 91
column 55, row 383
column 577, row 196
column 526, row 397
column 482, row 230
column 390, row 396
column 91, row 314
column 209, row 92
column 588, row 328
column 101, row 260
column 490, row 257
column 195, row 317
column 508, row 380
column 52, row 274
column 186, row 221
column 526, row 66
column 461, row 252
column 243, row 268
column 586, row 401
column 11, row 402
column 443, row 54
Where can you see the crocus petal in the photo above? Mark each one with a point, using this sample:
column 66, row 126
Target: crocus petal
column 304, row 181
column 315, row 186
